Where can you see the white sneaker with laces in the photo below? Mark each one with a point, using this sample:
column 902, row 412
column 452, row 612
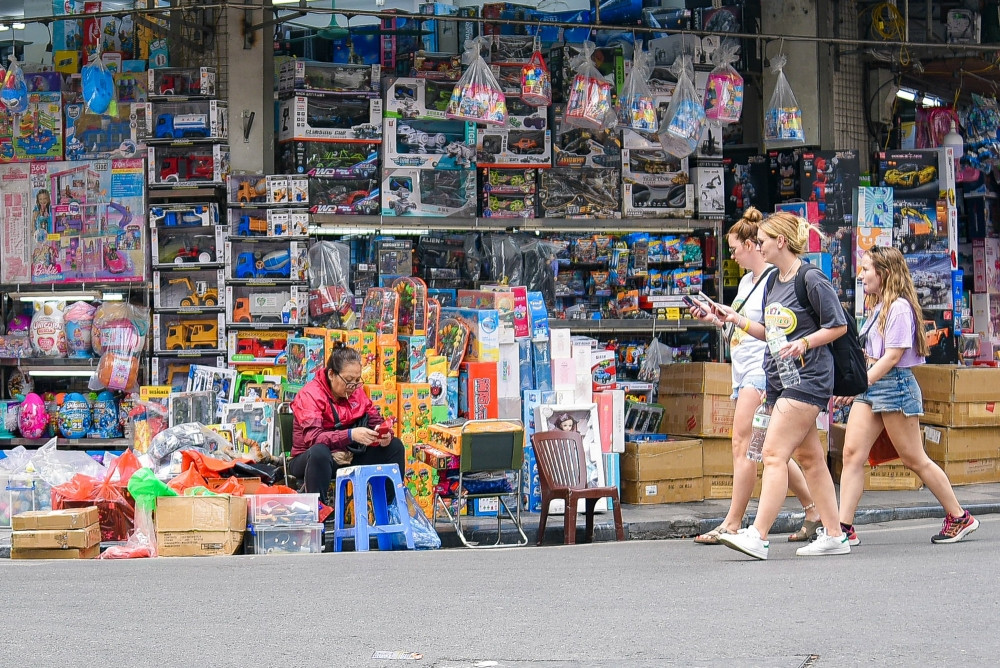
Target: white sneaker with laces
column 747, row 541
column 824, row 545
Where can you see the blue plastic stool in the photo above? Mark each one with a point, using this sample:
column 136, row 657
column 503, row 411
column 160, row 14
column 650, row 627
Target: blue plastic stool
column 360, row 477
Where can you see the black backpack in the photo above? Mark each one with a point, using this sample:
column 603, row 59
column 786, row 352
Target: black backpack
column 850, row 373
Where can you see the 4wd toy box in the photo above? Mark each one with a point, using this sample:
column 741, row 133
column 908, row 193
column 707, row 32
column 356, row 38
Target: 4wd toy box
column 418, row 98
column 303, row 76
column 427, row 144
column 181, row 82
column 188, row 165
column 190, row 119
column 338, row 119
column 521, row 148
column 345, row 196
column 424, row 192
column 329, row 159
column 187, row 246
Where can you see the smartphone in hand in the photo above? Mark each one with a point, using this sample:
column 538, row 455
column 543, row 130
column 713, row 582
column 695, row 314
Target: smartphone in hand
column 384, row 429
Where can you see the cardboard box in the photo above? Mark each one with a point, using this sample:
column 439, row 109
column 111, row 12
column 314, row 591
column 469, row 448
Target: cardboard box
column 663, row 491
column 950, row 444
column 189, row 526
column 891, row 477
column 958, row 384
column 58, row 539
column 611, row 417
column 651, row 461
column 972, row 471
column 717, row 458
column 696, row 378
column 964, row 414
column 91, row 552
column 68, row 518
column 478, row 391
column 697, row 414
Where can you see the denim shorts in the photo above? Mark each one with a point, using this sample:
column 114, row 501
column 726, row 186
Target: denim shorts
column 758, row 382
column 896, row 391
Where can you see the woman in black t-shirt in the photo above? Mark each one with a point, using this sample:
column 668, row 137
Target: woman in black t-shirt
column 782, row 238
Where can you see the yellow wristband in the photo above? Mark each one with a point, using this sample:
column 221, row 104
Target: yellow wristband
column 746, row 325
column 805, row 342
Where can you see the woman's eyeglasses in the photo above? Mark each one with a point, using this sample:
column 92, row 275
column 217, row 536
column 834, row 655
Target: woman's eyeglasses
column 353, row 385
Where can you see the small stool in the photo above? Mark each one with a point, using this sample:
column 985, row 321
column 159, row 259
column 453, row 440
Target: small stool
column 360, row 477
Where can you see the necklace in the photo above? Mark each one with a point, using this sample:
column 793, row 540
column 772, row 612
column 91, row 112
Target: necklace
column 791, row 271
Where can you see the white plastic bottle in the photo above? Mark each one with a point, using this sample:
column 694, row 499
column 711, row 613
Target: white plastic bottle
column 761, row 420
column 787, row 370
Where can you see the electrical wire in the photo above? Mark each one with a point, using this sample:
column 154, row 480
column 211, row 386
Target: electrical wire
column 889, row 25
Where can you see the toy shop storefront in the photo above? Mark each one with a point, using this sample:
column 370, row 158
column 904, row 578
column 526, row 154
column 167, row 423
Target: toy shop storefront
column 505, row 212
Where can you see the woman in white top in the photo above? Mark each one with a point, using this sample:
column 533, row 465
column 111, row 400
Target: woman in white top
column 749, row 384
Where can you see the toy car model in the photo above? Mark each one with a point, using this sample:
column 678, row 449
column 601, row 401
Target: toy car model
column 673, row 197
column 259, row 349
column 251, row 226
column 114, row 261
column 524, row 144
column 181, row 126
column 276, row 264
column 910, row 176
column 199, row 294
column 188, row 252
column 192, row 336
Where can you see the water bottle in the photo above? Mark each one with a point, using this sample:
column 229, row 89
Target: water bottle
column 787, row 370
column 761, row 419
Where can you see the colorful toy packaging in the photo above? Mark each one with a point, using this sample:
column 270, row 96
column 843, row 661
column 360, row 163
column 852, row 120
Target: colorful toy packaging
column 636, row 108
column 536, row 83
column 47, row 333
column 589, row 103
column 305, row 358
column 121, row 331
column 477, row 96
column 684, row 119
column 724, row 93
column 783, row 118
column 14, row 91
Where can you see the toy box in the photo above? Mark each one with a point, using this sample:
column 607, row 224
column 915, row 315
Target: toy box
column 294, row 539
column 305, row 357
column 187, row 246
column 509, row 180
column 531, row 487
column 603, row 370
column 329, row 159
column 478, row 391
column 267, row 260
column 200, row 405
column 609, row 60
column 336, row 119
column 260, row 306
column 519, row 294
column 501, row 300
column 520, row 148
column 168, row 216
column 304, row 76
column 394, row 258
column 91, row 136
column 662, row 199
column 190, row 119
column 511, row 49
column 418, row 98
column 484, row 334
column 387, row 364
column 257, row 418
column 268, row 346
column 711, row 197
column 433, row 193
column 646, row 164
column 580, row 193
column 175, row 333
column 830, row 179
column 414, row 413
column 523, row 116
column 411, row 364
column 345, row 197
column 173, row 370
column 582, row 147
column 38, row 132
column 429, row 144
column 366, row 343
column 181, row 82
column 437, row 64
column 130, row 87
column 280, row 223
column 194, row 290
column 188, row 165
column 509, row 206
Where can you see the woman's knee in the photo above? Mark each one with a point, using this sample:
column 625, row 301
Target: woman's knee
column 319, row 454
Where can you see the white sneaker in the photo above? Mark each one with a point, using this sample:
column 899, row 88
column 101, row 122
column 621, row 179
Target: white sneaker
column 824, row 545
column 746, row 541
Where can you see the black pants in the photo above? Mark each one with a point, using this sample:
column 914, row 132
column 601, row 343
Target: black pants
column 317, row 469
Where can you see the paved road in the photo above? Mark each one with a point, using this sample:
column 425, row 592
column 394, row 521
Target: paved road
column 897, row 600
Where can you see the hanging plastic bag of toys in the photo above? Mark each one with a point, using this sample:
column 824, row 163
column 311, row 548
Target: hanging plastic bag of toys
column 684, row 120
column 589, row 103
column 783, row 118
column 14, row 93
column 536, row 83
column 98, row 85
column 636, row 109
column 477, row 96
column 724, row 92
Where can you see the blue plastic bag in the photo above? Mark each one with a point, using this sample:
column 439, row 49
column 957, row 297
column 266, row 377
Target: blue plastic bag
column 98, row 85
column 424, row 535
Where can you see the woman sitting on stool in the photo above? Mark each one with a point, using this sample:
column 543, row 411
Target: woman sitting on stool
column 334, row 425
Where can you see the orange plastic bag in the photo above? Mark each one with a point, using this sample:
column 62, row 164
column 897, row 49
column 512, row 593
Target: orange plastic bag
column 210, row 467
column 126, row 465
column 882, row 450
column 232, row 485
column 114, row 506
column 189, row 478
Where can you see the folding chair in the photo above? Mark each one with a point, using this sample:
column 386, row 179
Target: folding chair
column 285, row 421
column 487, row 446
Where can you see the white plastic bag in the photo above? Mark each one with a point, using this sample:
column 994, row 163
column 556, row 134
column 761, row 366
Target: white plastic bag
column 724, row 92
column 636, row 109
column 477, row 96
column 684, row 120
column 783, row 118
column 589, row 102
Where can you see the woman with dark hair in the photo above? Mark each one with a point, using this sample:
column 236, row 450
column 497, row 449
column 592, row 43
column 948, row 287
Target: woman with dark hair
column 334, row 425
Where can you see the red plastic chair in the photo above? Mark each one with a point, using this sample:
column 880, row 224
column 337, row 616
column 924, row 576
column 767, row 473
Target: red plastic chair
column 562, row 474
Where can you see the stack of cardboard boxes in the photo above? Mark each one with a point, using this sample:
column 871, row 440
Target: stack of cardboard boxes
column 73, row 533
column 961, row 422
column 884, row 477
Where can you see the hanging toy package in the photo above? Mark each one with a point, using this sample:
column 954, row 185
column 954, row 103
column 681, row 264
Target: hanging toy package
column 636, row 110
column 14, row 93
column 477, row 96
column 724, row 93
column 589, row 102
column 783, row 118
column 98, row 85
column 684, row 120
column 536, row 84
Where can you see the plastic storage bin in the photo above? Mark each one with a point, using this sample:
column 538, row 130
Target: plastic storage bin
column 298, row 539
column 284, row 509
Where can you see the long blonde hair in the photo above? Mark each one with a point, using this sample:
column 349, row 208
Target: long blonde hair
column 890, row 266
column 795, row 230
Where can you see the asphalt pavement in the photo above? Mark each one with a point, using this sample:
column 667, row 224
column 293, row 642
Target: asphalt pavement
column 896, row 600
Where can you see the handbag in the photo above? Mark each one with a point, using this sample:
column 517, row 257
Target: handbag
column 882, row 450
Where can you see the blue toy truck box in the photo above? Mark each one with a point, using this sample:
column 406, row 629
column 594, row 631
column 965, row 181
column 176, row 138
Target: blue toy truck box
column 267, row 260
column 92, row 136
column 190, row 119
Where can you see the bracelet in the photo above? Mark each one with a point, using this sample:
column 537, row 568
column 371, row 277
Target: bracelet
column 805, row 342
column 746, row 325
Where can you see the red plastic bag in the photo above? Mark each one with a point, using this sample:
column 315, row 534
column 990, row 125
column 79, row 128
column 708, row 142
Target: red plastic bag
column 883, row 450
column 114, row 506
column 231, row 486
column 126, row 465
column 190, row 478
column 210, row 467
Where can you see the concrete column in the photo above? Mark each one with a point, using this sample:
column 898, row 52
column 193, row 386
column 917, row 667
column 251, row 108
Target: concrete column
column 250, row 59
